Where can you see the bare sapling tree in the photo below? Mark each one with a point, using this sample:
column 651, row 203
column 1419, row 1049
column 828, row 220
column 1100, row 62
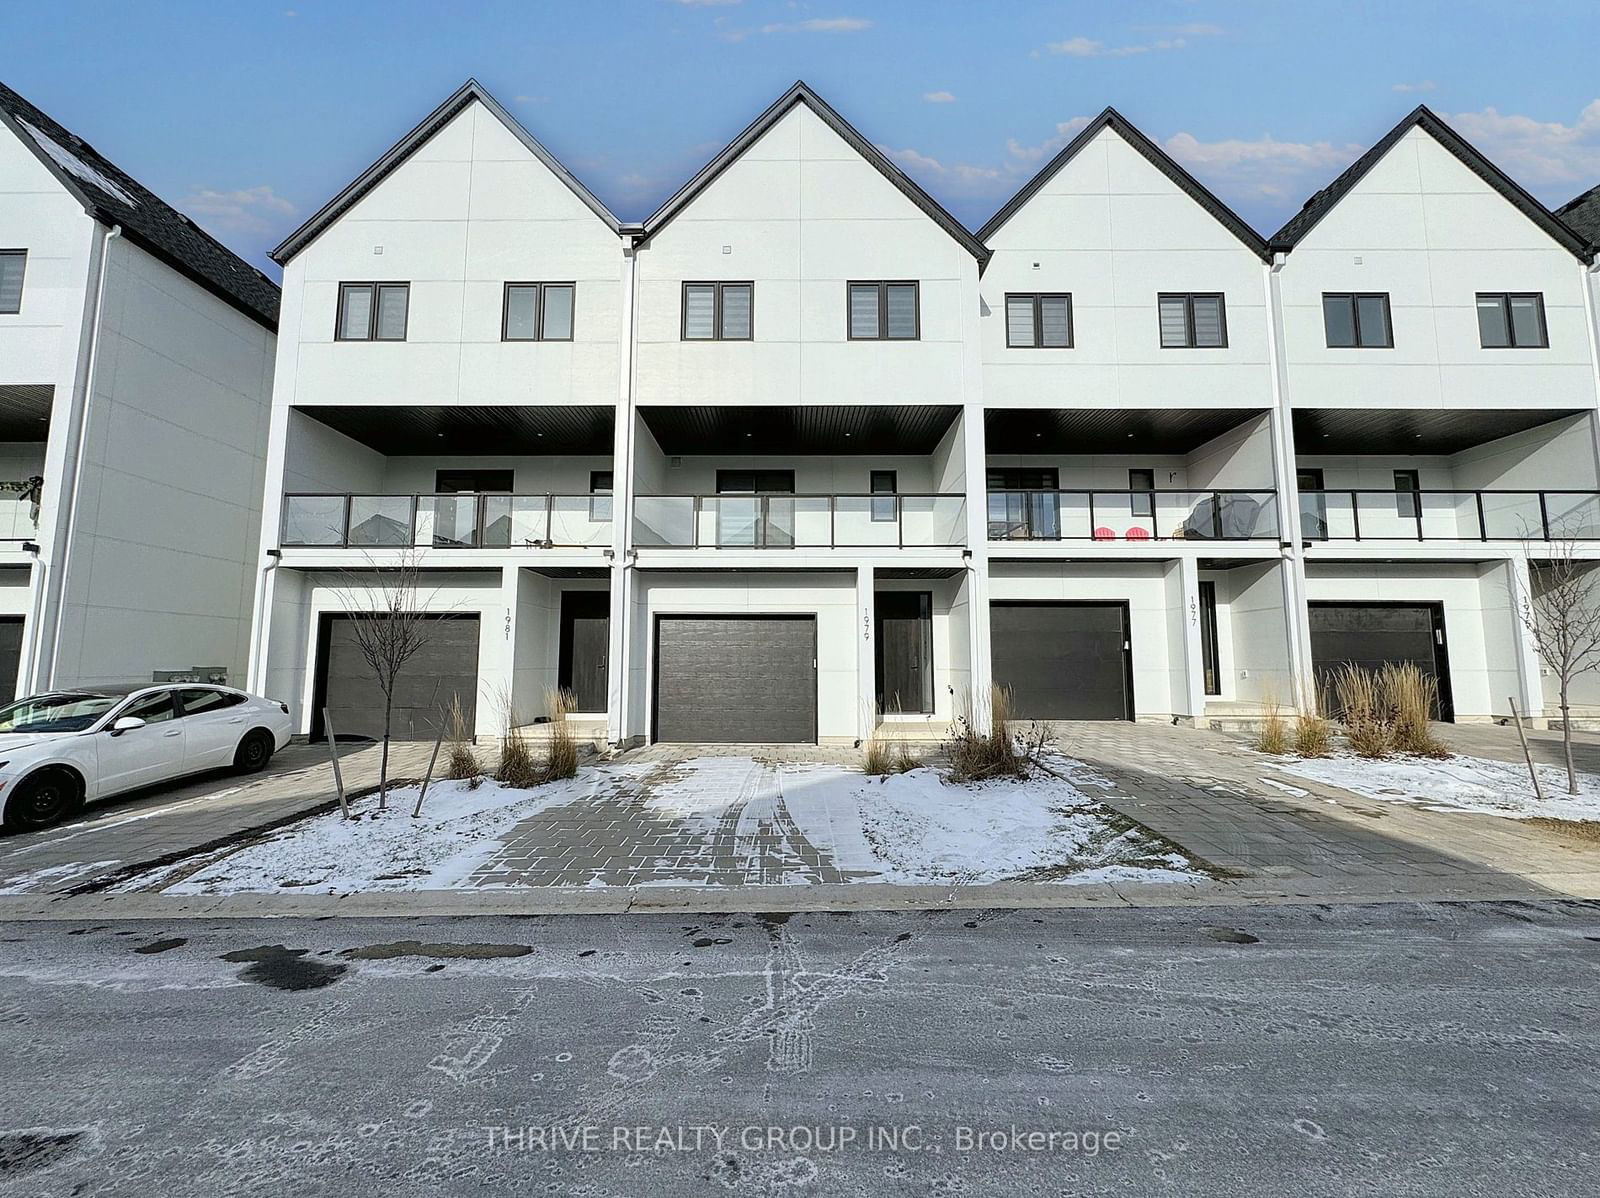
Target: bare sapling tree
column 1561, row 611
column 390, row 623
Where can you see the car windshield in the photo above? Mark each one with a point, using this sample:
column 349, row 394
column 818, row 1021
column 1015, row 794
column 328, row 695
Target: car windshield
column 55, row 713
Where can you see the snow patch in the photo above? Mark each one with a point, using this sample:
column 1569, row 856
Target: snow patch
column 1470, row 784
column 77, row 167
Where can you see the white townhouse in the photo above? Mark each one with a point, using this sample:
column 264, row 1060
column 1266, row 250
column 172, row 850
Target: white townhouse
column 799, row 453
column 136, row 358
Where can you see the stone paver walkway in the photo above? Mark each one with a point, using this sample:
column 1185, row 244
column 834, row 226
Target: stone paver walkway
column 727, row 826
column 1210, row 793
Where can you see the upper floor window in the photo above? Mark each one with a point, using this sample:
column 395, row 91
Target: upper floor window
column 12, row 264
column 718, row 311
column 1512, row 320
column 885, row 312
column 373, row 311
column 1193, row 321
column 1039, row 321
column 537, row 312
column 1355, row 320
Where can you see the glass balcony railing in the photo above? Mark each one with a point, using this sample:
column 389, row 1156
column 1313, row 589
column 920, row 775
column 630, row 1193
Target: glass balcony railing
column 1376, row 515
column 1133, row 515
column 460, row 521
column 798, row 521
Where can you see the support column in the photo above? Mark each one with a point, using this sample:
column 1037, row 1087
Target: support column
column 866, row 632
column 620, row 629
column 1530, row 682
column 1191, row 701
column 975, row 455
column 619, row 672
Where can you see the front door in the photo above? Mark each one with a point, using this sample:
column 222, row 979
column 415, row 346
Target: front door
column 905, row 651
column 585, row 648
column 141, row 756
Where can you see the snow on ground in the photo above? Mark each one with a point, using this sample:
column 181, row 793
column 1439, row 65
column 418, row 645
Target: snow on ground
column 458, row 829
column 756, row 821
column 1471, row 784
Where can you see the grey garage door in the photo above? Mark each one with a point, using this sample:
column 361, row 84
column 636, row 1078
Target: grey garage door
column 1372, row 635
column 1063, row 661
column 736, row 679
column 10, row 655
column 445, row 667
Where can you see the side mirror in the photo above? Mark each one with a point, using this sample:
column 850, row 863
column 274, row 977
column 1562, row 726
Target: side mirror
column 126, row 724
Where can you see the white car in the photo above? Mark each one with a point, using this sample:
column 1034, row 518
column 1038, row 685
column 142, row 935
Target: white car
column 62, row 749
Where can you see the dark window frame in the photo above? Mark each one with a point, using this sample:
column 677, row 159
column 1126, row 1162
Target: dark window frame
column 716, row 309
column 1504, row 298
column 22, row 287
column 478, row 487
column 884, row 513
column 883, row 286
column 601, row 499
column 725, row 477
column 1210, row 657
column 1142, row 500
column 538, row 310
column 1188, row 298
column 374, row 285
column 1036, row 300
column 1353, row 299
column 1407, row 493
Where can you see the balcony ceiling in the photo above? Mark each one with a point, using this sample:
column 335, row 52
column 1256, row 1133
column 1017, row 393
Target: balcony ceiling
column 25, row 411
column 1091, row 430
column 507, row 431
column 880, row 429
column 1414, row 431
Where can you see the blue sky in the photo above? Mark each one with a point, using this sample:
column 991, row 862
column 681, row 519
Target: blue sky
column 250, row 115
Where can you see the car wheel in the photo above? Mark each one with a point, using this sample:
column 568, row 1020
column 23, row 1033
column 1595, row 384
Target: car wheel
column 43, row 799
column 254, row 751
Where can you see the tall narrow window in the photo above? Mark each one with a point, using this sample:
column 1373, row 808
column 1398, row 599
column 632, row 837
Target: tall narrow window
column 718, row 311
column 1406, row 498
column 1142, row 484
column 373, row 311
column 1208, row 637
column 1192, row 321
column 537, row 312
column 600, row 491
column 12, row 265
column 1039, row 321
column 1512, row 320
column 1357, row 321
column 883, row 482
column 884, row 312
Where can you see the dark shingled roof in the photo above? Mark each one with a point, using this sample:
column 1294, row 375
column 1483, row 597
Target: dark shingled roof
column 1422, row 117
column 1111, row 119
column 469, row 92
column 801, row 93
column 1582, row 215
column 116, row 198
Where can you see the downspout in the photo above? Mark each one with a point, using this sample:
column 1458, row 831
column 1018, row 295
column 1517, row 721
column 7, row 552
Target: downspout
column 256, row 680
column 70, row 484
column 1291, row 552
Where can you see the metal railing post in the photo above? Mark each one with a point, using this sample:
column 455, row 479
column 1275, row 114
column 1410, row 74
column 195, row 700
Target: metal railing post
column 1483, row 526
column 1216, row 516
column 1416, row 511
column 1355, row 516
column 1544, row 516
column 1091, row 516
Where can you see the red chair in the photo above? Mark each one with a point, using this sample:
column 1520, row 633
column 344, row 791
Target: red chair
column 1105, row 534
column 1138, row 534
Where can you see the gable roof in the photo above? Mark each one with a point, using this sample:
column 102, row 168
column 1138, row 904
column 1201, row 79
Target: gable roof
column 1111, row 119
column 1422, row 117
column 114, row 197
column 1582, row 215
column 397, row 154
column 801, row 93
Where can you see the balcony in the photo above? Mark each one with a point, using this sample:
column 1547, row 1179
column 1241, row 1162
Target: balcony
column 1432, row 515
column 799, row 521
column 458, row 521
column 1160, row 515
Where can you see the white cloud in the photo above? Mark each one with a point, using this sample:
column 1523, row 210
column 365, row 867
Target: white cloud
column 248, row 210
column 939, row 97
column 1426, row 85
column 820, row 25
column 1262, row 166
column 1169, row 37
column 1535, row 152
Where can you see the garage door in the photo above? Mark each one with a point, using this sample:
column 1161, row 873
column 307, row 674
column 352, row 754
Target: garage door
column 445, row 667
column 1063, row 661
column 10, row 655
column 736, row 679
column 1371, row 635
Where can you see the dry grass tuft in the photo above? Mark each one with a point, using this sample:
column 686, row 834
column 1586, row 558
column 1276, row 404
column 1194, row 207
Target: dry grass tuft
column 998, row 753
column 462, row 761
column 1273, row 736
column 561, row 749
column 1411, row 697
column 1313, row 735
column 886, row 753
column 1363, row 711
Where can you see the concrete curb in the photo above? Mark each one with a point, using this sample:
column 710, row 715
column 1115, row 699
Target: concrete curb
column 842, row 897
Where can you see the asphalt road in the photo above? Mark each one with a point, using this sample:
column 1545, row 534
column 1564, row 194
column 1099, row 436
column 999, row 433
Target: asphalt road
column 1449, row 1050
